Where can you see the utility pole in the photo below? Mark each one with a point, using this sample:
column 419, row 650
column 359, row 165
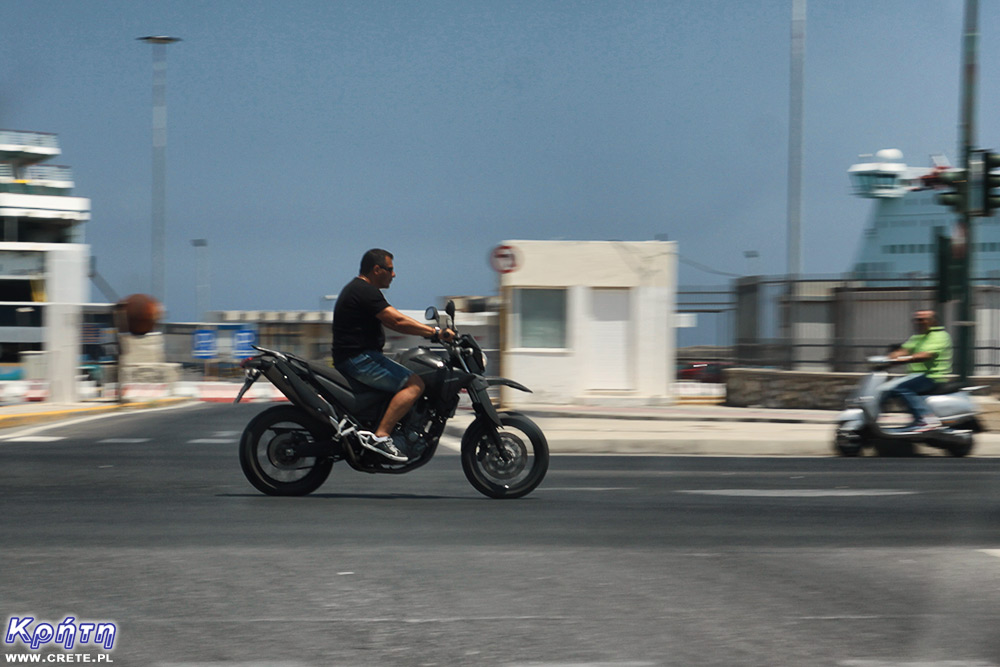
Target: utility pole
column 965, row 350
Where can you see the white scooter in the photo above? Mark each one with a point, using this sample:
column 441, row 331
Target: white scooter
column 858, row 425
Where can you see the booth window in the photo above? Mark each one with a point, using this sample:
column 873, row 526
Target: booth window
column 542, row 317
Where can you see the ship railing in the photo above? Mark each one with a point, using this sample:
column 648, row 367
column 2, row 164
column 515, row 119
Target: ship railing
column 52, row 173
column 36, row 179
column 25, row 138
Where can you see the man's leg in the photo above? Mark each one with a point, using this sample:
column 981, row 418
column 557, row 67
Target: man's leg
column 909, row 389
column 400, row 405
column 378, row 372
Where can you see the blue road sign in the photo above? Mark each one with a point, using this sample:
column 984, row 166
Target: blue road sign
column 203, row 344
column 243, row 341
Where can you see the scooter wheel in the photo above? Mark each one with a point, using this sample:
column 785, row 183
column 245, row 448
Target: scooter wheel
column 960, row 450
column 846, row 445
column 894, row 448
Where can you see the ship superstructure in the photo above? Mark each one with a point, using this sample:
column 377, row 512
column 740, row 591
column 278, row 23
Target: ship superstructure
column 44, row 264
column 36, row 205
column 899, row 238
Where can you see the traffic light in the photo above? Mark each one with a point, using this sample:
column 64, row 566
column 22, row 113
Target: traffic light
column 991, row 182
column 947, row 267
column 954, row 198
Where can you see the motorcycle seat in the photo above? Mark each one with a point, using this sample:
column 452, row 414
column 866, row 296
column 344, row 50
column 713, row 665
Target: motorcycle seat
column 354, row 395
column 949, row 387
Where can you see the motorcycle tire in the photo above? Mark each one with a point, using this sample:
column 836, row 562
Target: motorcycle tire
column 267, row 453
column 512, row 473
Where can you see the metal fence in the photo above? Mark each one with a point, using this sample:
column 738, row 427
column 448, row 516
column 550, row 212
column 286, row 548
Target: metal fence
column 824, row 323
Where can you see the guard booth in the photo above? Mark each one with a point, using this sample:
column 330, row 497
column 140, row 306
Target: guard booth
column 587, row 322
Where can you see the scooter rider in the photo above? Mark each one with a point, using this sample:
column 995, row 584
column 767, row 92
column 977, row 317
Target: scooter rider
column 358, row 338
column 928, row 353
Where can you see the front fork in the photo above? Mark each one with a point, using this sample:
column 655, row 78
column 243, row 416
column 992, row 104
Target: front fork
column 484, row 407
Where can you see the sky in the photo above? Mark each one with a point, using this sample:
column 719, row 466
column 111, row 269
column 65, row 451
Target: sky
column 303, row 132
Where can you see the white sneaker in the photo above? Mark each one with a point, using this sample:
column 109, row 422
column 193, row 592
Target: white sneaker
column 382, row 445
column 928, row 423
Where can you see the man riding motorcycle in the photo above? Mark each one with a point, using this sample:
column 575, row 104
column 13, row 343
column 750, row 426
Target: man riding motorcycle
column 358, row 339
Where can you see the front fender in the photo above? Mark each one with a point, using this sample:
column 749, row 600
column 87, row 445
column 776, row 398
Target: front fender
column 481, row 399
column 494, row 381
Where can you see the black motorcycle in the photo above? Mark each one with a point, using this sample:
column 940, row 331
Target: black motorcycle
column 289, row 450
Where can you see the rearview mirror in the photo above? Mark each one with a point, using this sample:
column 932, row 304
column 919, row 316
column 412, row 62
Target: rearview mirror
column 450, row 309
column 431, row 313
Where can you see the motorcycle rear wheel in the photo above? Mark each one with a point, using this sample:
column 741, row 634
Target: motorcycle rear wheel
column 517, row 469
column 268, row 458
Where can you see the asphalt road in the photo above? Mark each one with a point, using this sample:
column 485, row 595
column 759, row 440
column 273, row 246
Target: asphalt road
column 145, row 520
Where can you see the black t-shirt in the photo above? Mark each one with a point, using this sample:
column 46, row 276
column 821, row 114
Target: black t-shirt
column 355, row 325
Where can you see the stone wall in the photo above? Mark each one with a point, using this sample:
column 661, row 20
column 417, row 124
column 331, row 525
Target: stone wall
column 802, row 390
column 767, row 388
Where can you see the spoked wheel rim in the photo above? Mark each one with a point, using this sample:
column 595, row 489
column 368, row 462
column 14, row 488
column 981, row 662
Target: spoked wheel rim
column 508, row 462
column 505, row 464
column 275, row 454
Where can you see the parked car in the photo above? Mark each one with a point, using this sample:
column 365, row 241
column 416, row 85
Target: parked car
column 703, row 371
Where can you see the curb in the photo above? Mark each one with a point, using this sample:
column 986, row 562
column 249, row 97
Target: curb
column 771, row 419
column 27, row 418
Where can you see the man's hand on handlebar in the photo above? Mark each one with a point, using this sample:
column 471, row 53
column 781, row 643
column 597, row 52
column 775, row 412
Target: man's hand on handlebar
column 443, row 335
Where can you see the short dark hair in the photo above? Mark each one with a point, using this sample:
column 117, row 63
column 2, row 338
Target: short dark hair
column 373, row 257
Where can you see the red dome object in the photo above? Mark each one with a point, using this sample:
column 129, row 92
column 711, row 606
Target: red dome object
column 140, row 313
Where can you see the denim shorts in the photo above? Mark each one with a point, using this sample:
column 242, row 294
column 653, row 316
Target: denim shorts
column 376, row 370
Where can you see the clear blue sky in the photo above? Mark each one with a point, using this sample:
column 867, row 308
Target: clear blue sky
column 303, row 132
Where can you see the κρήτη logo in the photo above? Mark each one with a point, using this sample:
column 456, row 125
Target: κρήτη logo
column 68, row 633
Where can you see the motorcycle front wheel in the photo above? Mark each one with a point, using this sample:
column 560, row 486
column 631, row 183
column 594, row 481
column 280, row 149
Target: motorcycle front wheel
column 515, row 468
column 269, row 456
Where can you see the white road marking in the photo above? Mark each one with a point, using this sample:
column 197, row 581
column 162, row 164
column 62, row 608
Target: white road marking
column 36, row 438
column 581, row 664
column 797, row 493
column 230, row 664
column 450, row 442
column 991, row 552
column 920, row 663
column 31, row 430
column 587, row 488
column 123, row 441
column 212, row 441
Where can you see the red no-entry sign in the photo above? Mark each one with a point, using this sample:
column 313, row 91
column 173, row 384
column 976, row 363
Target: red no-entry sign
column 504, row 259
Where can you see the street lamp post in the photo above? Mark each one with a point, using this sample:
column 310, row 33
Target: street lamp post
column 324, row 299
column 204, row 285
column 159, row 44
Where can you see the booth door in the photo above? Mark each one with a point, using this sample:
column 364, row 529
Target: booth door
column 610, row 327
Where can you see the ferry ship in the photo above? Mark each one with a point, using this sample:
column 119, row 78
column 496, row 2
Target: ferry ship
column 899, row 239
column 44, row 263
